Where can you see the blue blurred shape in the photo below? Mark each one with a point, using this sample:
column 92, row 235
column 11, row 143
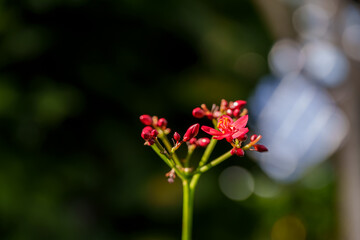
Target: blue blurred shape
column 325, row 63
column 299, row 122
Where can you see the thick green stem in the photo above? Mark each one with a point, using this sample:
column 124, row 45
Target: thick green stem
column 188, row 206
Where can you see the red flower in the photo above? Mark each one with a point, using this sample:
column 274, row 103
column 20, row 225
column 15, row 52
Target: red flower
column 228, row 128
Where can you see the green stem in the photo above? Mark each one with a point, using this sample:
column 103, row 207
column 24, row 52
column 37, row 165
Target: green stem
column 188, row 206
column 162, row 156
column 215, row 162
column 191, row 149
column 168, row 161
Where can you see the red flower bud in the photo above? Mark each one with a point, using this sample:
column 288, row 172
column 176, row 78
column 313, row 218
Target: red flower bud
column 203, row 142
column 146, row 132
column 162, row 123
column 177, row 137
column 239, row 104
column 191, row 132
column 193, row 141
column 236, row 112
column 253, row 137
column 223, row 105
column 237, row 151
column 229, row 112
column 243, row 138
column 198, row 112
column 260, row 148
column 146, row 119
column 154, row 133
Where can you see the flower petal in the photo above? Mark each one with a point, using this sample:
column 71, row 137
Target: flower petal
column 241, row 122
column 222, row 136
column 240, row 133
column 211, row 131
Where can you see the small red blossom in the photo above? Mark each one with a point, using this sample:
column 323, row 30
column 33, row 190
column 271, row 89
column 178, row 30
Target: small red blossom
column 228, row 129
column 191, row 132
column 146, row 119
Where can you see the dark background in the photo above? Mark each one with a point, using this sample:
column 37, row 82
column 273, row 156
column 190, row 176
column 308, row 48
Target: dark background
column 74, row 77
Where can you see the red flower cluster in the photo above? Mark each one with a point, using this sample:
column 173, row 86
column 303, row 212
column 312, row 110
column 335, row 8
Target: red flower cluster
column 230, row 120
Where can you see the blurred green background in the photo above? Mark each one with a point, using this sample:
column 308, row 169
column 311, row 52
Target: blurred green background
column 74, row 77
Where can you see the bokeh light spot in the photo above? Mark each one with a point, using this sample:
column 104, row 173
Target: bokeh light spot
column 266, row 188
column 236, row 183
column 311, row 21
column 285, row 57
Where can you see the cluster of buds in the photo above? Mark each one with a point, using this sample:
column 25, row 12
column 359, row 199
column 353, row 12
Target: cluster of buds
column 149, row 135
column 229, row 120
column 232, row 109
column 154, row 125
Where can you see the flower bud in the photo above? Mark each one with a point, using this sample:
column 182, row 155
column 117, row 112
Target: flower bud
column 146, row 132
column 229, row 112
column 198, row 112
column 253, row 137
column 193, row 141
column 236, row 112
column 260, row 148
column 237, row 151
column 150, row 142
column 162, row 123
column 223, row 105
column 243, row 138
column 146, row 119
column 177, row 137
column 191, row 132
column 239, row 104
column 154, row 133
column 203, row 142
